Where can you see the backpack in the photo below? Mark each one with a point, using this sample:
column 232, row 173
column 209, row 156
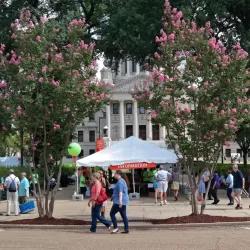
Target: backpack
column 12, row 187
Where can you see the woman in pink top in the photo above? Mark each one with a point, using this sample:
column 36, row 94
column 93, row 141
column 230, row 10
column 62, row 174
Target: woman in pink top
column 96, row 208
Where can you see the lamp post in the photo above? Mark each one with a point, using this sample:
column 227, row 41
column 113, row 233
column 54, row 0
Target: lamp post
column 99, row 126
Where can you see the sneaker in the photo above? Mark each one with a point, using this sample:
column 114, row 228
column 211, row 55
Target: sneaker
column 125, row 232
column 230, row 204
column 115, row 230
column 155, row 202
column 161, row 203
column 165, row 203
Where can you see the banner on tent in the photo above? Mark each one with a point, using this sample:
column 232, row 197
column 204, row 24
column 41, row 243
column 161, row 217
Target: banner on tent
column 99, row 144
column 133, row 165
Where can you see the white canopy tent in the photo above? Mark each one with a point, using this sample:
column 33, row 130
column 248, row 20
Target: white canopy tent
column 130, row 150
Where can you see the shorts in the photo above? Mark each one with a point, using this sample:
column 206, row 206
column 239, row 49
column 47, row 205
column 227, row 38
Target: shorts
column 237, row 190
column 162, row 186
column 156, row 184
column 175, row 186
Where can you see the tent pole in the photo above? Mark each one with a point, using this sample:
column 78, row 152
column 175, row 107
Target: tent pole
column 77, row 189
column 133, row 177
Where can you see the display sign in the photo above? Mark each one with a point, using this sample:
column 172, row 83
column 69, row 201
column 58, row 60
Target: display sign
column 133, row 165
column 99, row 144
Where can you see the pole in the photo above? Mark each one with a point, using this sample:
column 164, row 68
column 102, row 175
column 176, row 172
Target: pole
column 99, row 127
column 133, row 178
column 222, row 152
column 21, row 135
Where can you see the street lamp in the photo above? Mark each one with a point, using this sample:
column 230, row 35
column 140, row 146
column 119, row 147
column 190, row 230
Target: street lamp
column 105, row 129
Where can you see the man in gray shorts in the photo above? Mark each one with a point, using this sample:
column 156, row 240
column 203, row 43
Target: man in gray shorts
column 238, row 185
column 162, row 177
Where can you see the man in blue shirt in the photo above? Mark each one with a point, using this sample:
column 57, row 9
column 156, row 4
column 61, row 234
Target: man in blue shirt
column 215, row 184
column 23, row 191
column 229, row 182
column 238, row 185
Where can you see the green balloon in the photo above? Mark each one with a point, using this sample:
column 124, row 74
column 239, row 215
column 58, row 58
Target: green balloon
column 74, row 149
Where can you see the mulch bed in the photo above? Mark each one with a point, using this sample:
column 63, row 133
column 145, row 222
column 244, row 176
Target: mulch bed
column 205, row 218
column 47, row 221
column 173, row 220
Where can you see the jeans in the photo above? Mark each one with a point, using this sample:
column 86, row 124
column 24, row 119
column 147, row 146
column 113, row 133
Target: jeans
column 229, row 195
column 122, row 210
column 96, row 215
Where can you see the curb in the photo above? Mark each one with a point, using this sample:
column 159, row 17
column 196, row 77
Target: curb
column 141, row 226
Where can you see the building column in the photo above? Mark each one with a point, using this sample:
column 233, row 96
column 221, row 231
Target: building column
column 128, row 68
column 108, row 119
column 135, row 122
column 163, row 133
column 149, row 130
column 137, row 68
column 119, row 73
column 122, row 120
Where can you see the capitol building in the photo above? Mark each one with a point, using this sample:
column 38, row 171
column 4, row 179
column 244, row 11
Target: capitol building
column 123, row 117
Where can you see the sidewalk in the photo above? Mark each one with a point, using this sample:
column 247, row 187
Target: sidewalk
column 143, row 209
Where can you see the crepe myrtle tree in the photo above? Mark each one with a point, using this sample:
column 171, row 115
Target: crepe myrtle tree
column 52, row 88
column 197, row 90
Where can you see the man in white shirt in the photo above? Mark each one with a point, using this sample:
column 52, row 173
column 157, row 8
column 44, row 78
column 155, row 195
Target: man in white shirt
column 162, row 177
column 229, row 182
column 12, row 184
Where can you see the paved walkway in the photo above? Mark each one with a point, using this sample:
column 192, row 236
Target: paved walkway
column 143, row 209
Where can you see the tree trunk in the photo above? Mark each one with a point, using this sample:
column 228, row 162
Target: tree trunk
column 52, row 203
column 194, row 202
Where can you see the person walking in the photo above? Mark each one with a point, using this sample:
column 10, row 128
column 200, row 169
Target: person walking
column 12, row 184
column 23, row 191
column 229, row 183
column 163, row 177
column 104, row 186
column 176, row 183
column 120, row 200
column 215, row 184
column 96, row 206
column 238, row 185
column 34, row 182
column 202, row 188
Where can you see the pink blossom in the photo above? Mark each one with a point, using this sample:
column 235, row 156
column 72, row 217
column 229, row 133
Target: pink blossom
column 226, row 126
column 187, row 111
column 234, row 111
column 3, row 85
column 43, row 19
column 4, row 128
column 44, row 69
column 154, row 114
column 246, row 111
column 161, row 77
column 227, row 144
column 222, row 112
column 38, row 38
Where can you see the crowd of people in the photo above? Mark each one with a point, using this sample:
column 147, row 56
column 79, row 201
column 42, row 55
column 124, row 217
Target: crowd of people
column 234, row 183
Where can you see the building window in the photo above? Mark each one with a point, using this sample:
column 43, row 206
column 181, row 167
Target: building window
column 115, row 108
column 156, row 132
column 92, row 118
column 129, row 108
column 81, row 154
column 91, row 136
column 104, row 114
column 91, row 151
column 129, row 130
column 142, row 110
column 80, row 136
column 142, row 132
column 228, row 152
column 133, row 66
column 239, row 151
